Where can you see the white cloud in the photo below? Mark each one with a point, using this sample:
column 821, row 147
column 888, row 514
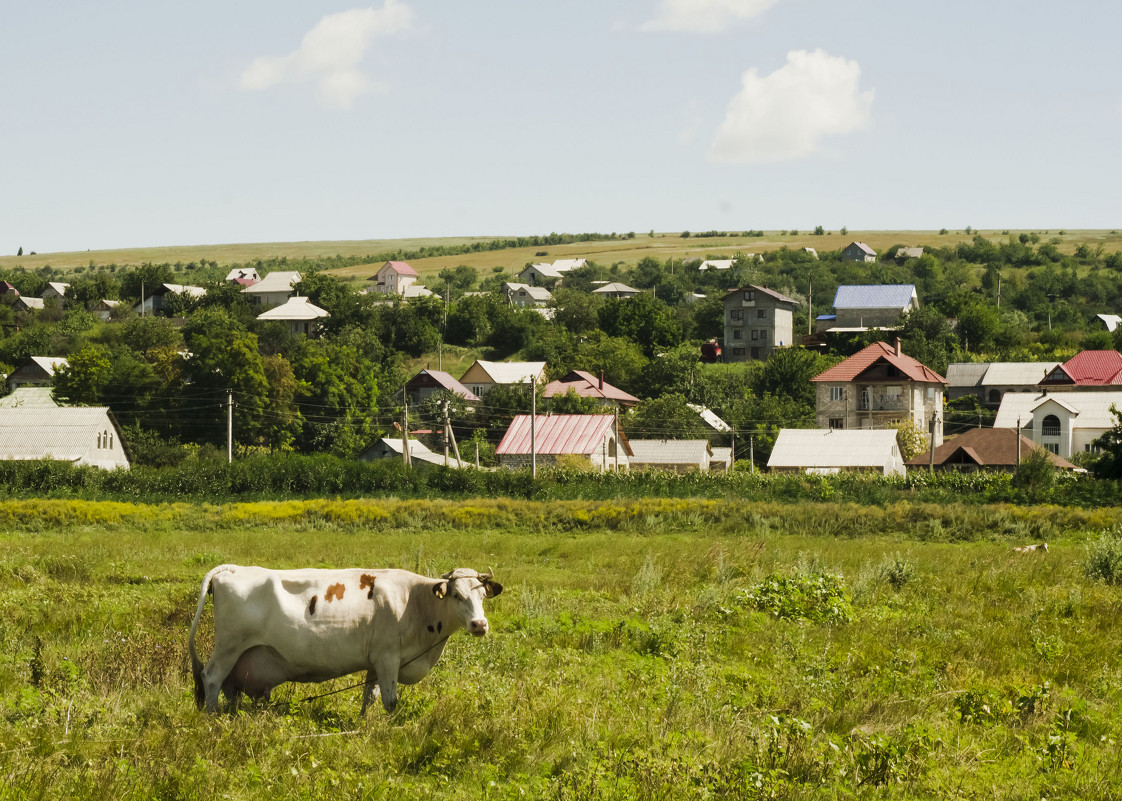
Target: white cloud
column 704, row 16
column 331, row 53
column 786, row 114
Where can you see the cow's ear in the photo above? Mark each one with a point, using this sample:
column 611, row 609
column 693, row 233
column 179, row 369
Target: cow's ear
column 440, row 589
column 493, row 588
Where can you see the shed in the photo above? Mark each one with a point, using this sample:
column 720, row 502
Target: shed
column 674, row 455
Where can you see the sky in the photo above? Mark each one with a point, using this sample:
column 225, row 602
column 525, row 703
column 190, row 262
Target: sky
column 132, row 123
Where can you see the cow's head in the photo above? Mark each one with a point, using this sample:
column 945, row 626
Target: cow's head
column 465, row 590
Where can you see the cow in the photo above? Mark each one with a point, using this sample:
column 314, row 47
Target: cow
column 1040, row 547
column 273, row 626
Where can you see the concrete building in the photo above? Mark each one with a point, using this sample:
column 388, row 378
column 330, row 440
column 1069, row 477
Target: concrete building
column 757, row 321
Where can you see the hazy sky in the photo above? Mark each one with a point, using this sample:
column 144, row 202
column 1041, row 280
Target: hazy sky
column 138, row 123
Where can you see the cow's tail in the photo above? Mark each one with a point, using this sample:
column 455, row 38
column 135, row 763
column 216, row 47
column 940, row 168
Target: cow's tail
column 196, row 663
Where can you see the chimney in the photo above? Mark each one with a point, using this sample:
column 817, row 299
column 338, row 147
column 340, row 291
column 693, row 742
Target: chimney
column 897, row 346
column 601, row 379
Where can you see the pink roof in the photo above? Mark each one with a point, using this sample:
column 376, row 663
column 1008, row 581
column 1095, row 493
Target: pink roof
column 555, row 434
column 587, row 386
column 1090, row 367
column 865, row 358
column 399, row 267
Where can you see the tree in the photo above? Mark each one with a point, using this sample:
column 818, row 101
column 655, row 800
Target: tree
column 1109, row 463
column 788, row 372
column 910, row 437
column 83, row 379
column 666, row 417
column 572, row 403
column 644, row 320
column 621, row 360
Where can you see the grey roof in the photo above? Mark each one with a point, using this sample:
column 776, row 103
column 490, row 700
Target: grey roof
column 710, row 417
column 65, row 433
column 49, row 364
column 1111, row 321
column 1092, row 408
column 866, row 296
column 966, row 374
column 721, row 455
column 613, row 288
column 296, row 308
column 909, row 253
column 716, row 264
column 1017, row 373
column 511, row 372
column 276, row 281
column 816, row 447
column 29, row 398
column 670, row 451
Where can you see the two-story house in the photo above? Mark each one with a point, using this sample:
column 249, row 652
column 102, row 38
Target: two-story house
column 526, row 296
column 757, row 321
column 877, row 386
column 483, row 375
column 394, row 278
column 858, row 251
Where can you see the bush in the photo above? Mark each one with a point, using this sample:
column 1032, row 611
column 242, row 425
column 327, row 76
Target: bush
column 809, row 595
column 1104, row 558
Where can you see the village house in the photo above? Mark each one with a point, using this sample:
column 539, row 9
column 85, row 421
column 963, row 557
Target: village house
column 420, row 455
column 717, row 264
column 24, row 303
column 81, row 435
column 243, row 276
column 990, row 449
column 587, row 385
column 863, row 307
column 1064, row 423
column 274, row 289
column 877, row 386
column 55, row 290
column 35, row 371
column 828, row 451
column 524, row 295
column 397, row 278
column 481, row 376
column 156, row 298
column 298, row 313
column 757, row 321
column 589, row 438
column 1087, row 370
column 104, row 308
column 989, row 381
column 616, row 290
column 671, row 455
column 858, row 251
column 429, row 382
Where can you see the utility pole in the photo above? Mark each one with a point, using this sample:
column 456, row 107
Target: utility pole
column 477, row 454
column 229, row 427
column 810, row 309
column 931, row 457
column 615, row 422
column 752, row 452
column 445, row 433
column 533, row 423
column 1018, row 442
column 732, row 451
column 405, row 433
column 142, row 298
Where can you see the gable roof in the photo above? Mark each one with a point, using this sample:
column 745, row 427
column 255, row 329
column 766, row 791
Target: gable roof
column 1016, row 373
column 771, row 293
column 716, row 264
column 615, row 287
column 670, row 451
column 1111, row 321
column 564, row 265
column 30, row 398
column 966, row 374
column 508, row 372
column 1088, row 368
column 57, row 286
column 868, row 251
column 1091, row 407
column 587, row 385
column 179, row 289
column 295, row 308
column 60, row 432
column 399, row 267
column 875, row 296
column 710, row 417
column 48, row 364
column 446, row 381
column 825, row 448
column 276, row 281
column 985, row 447
column 865, row 358
column 557, row 434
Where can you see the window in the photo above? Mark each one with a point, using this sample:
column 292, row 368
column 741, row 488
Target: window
column 1050, row 426
column 760, row 313
column 738, row 351
column 736, row 314
column 763, row 335
column 837, row 422
column 995, row 396
column 750, row 296
column 738, row 333
column 1052, row 447
column 837, row 394
column 755, row 334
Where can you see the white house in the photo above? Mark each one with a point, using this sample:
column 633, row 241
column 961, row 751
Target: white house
column 483, row 375
column 825, row 451
column 54, row 289
column 1065, row 423
column 299, row 313
column 156, row 298
column 83, row 435
column 524, row 295
column 394, row 278
column 274, row 289
column 616, row 290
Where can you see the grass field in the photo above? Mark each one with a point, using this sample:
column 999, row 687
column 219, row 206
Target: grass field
column 661, row 246
column 645, row 649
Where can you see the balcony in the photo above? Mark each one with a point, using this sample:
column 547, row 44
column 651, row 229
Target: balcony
column 882, row 403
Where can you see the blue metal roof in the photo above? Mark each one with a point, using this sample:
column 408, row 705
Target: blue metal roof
column 888, row 296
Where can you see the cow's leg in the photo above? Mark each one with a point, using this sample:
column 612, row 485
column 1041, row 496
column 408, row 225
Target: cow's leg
column 368, row 690
column 215, row 674
column 386, row 669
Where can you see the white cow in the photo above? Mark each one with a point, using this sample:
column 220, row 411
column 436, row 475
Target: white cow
column 273, row 626
column 1040, row 547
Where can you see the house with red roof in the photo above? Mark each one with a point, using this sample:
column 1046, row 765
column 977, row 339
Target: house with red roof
column 1087, row 370
column 589, row 386
column 592, row 437
column 877, row 386
column 394, row 278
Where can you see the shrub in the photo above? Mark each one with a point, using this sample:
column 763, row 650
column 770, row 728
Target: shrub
column 1104, row 558
column 809, row 595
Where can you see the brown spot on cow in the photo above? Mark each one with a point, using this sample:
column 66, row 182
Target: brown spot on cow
column 333, row 592
column 365, row 581
column 312, row 605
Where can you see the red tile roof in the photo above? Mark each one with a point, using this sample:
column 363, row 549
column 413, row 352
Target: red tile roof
column 400, row 267
column 556, row 434
column 1088, row 368
column 861, row 361
column 587, row 386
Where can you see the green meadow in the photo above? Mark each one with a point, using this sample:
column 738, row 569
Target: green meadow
column 641, row 649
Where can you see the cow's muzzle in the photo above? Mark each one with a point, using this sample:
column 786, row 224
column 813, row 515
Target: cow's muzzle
column 478, row 627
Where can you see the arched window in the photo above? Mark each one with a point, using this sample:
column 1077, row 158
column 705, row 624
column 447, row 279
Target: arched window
column 1050, row 426
column 611, row 448
column 99, row 440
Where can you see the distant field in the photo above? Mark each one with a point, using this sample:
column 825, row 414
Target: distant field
column 661, row 246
